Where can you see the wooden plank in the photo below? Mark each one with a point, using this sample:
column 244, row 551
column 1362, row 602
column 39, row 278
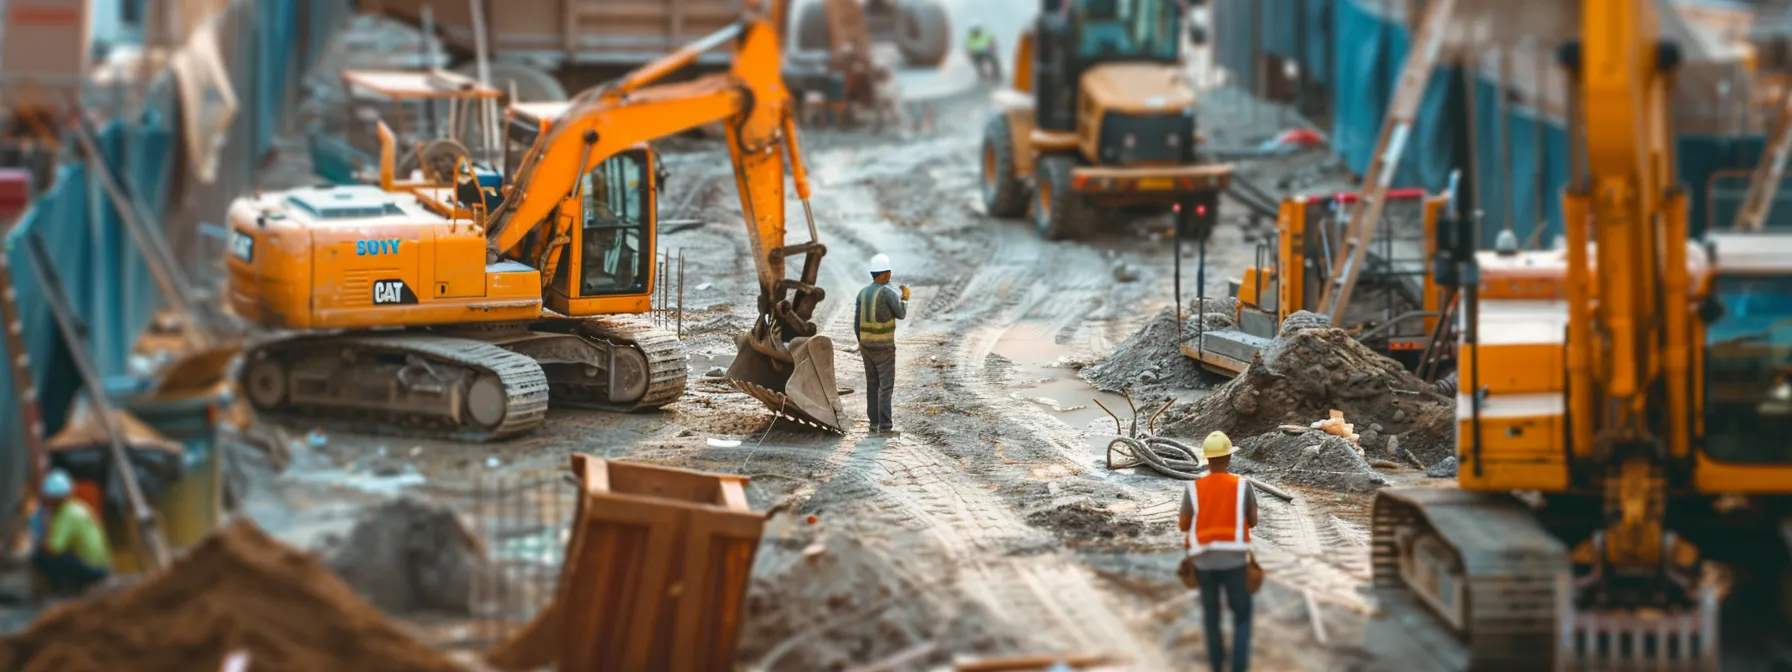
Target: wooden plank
column 1764, row 183
column 1396, row 127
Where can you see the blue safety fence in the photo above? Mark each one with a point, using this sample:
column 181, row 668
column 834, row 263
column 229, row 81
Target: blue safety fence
column 1297, row 30
column 268, row 45
column 1369, row 54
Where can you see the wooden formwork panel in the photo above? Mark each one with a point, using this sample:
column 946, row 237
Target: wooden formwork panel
column 656, row 570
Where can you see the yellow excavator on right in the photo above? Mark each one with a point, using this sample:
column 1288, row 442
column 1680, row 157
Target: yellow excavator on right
column 1625, row 423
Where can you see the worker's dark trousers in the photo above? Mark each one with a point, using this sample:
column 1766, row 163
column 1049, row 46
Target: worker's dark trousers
column 988, row 68
column 880, row 383
column 1238, row 598
column 66, row 574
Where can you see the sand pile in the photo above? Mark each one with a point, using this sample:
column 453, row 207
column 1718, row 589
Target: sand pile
column 237, row 590
column 1151, row 359
column 1309, row 458
column 408, row 556
column 1307, row 372
column 869, row 609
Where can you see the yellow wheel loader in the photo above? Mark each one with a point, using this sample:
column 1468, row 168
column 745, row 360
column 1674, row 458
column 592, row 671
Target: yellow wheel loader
column 461, row 312
column 1100, row 121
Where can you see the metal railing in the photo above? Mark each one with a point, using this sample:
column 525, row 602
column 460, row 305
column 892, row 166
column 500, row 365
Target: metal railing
column 525, row 519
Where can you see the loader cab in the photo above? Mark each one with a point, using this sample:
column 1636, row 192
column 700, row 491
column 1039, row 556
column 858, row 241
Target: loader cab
column 606, row 266
column 1074, row 37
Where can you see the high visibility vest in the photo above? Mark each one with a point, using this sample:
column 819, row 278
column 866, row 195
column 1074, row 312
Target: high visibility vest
column 1219, row 503
column 871, row 330
column 979, row 43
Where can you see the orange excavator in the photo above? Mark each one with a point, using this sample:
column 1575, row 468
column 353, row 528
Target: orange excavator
column 460, row 311
column 1625, row 490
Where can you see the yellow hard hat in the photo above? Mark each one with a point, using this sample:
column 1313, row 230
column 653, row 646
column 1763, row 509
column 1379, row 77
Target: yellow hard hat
column 1217, row 444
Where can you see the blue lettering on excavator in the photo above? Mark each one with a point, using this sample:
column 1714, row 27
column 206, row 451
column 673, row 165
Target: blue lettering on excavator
column 371, row 248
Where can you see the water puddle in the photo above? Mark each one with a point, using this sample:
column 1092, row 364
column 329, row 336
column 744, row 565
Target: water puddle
column 1044, row 376
column 1046, row 379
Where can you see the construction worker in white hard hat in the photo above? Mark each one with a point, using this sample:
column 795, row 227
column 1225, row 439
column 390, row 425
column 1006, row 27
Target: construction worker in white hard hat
column 73, row 554
column 1218, row 512
column 875, row 314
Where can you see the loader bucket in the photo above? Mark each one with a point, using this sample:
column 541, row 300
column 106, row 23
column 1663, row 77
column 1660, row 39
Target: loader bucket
column 807, row 394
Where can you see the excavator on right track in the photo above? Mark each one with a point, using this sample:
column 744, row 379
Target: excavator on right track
column 1625, row 421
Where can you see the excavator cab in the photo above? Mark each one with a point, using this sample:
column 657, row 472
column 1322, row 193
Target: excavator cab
column 607, row 260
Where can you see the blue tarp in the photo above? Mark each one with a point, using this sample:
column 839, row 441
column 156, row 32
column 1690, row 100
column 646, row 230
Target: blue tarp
column 1369, row 55
column 104, row 274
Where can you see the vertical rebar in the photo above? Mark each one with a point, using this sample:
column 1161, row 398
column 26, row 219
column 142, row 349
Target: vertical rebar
column 681, row 293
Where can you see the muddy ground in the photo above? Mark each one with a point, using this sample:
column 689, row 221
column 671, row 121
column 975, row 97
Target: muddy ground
column 989, row 524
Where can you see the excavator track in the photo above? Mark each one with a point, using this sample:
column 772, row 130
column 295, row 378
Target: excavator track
column 668, row 367
column 1468, row 581
column 442, row 389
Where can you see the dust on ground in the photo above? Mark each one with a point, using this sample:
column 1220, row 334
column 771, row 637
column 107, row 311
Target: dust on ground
column 825, row 602
column 238, row 590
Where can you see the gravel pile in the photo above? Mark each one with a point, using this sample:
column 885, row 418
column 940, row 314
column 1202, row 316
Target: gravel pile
column 1151, row 360
column 1311, row 458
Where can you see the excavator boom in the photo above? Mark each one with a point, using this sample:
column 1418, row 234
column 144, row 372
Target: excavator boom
column 782, row 360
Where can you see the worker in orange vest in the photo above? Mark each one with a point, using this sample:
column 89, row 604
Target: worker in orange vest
column 1218, row 512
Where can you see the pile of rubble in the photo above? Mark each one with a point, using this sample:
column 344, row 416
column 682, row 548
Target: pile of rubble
column 1151, row 360
column 1309, row 371
column 410, row 556
column 238, row 591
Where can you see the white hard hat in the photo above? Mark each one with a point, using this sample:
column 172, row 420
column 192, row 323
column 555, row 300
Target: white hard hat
column 880, row 263
column 57, row 484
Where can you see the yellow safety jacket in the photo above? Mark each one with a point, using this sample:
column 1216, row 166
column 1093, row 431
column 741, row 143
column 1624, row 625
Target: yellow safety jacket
column 872, row 330
column 979, row 43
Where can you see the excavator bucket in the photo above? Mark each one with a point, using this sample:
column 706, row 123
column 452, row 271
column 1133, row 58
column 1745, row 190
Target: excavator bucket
column 807, row 394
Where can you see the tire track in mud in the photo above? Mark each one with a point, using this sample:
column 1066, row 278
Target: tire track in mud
column 1321, row 553
column 1047, row 599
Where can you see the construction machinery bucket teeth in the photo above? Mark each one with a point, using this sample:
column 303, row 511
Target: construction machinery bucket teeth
column 807, row 393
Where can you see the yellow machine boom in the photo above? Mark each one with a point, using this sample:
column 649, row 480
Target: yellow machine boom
column 450, row 319
column 1627, row 389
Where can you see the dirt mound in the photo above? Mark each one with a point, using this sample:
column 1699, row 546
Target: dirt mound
column 1151, row 358
column 237, row 590
column 1308, row 372
column 407, row 555
column 869, row 608
column 1083, row 519
column 1312, row 458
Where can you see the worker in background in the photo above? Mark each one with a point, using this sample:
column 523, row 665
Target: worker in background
column 1218, row 511
column 876, row 311
column 72, row 555
column 982, row 47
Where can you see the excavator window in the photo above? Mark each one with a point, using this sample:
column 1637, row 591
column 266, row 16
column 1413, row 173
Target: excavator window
column 1748, row 365
column 615, row 199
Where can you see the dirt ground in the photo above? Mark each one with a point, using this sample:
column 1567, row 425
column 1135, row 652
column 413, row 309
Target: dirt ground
column 989, row 524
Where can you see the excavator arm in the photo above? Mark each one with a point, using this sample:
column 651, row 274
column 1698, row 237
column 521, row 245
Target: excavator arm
column 783, row 361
